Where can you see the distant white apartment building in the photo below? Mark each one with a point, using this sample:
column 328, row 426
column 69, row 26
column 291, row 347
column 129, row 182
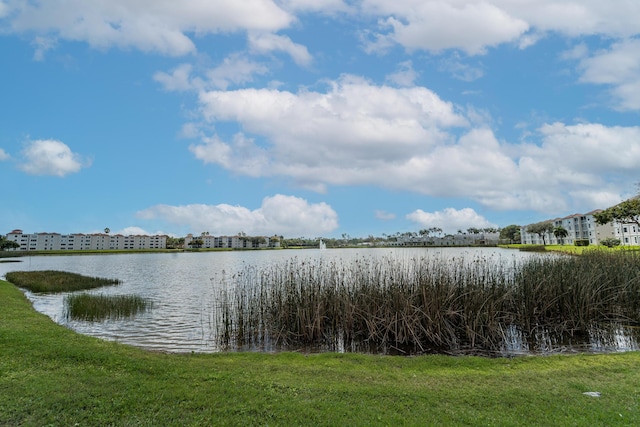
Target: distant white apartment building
column 77, row 242
column 459, row 239
column 579, row 227
column 232, row 242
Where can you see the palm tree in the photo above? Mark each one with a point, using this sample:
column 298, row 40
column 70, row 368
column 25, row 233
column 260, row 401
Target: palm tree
column 196, row 243
column 560, row 232
column 436, row 230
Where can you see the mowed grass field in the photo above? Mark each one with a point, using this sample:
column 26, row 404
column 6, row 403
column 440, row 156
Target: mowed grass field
column 50, row 375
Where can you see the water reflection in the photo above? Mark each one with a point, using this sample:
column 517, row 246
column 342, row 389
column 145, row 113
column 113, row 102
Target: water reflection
column 183, row 288
column 598, row 339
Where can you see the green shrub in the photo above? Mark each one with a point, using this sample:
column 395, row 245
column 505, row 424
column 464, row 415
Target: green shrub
column 581, row 242
column 532, row 248
column 610, row 242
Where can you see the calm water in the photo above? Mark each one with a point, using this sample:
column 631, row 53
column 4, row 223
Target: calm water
column 183, row 288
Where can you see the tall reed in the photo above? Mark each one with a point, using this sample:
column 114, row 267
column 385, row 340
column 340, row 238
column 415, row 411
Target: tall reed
column 427, row 304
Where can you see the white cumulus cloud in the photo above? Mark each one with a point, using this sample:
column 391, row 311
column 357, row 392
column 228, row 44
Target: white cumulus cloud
column 404, row 76
column 50, row 157
column 269, row 42
column 179, row 79
column 574, row 18
column 134, row 231
column 590, row 147
column 619, row 68
column 357, row 133
column 471, row 26
column 450, row 220
column 322, row 6
column 4, row 155
column 162, row 26
column 42, row 45
column 138, row 231
column 336, row 137
column 384, row 215
column 170, row 27
column 242, row 155
column 279, row 214
column 234, row 70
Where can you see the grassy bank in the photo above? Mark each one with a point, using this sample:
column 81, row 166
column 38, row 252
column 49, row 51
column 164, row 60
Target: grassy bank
column 575, row 250
column 51, row 376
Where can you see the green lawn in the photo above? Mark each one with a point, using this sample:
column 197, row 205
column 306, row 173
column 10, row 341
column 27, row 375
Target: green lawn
column 50, row 375
column 577, row 250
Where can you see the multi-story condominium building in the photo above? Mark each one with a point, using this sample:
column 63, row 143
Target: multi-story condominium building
column 578, row 226
column 628, row 234
column 71, row 242
column 232, row 242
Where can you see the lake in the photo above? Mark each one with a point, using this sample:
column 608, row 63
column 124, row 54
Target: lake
column 183, row 288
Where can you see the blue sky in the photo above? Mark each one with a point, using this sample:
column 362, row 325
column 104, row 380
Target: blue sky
column 314, row 118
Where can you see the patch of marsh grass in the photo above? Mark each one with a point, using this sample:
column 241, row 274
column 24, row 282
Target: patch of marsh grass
column 429, row 304
column 99, row 307
column 56, row 281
